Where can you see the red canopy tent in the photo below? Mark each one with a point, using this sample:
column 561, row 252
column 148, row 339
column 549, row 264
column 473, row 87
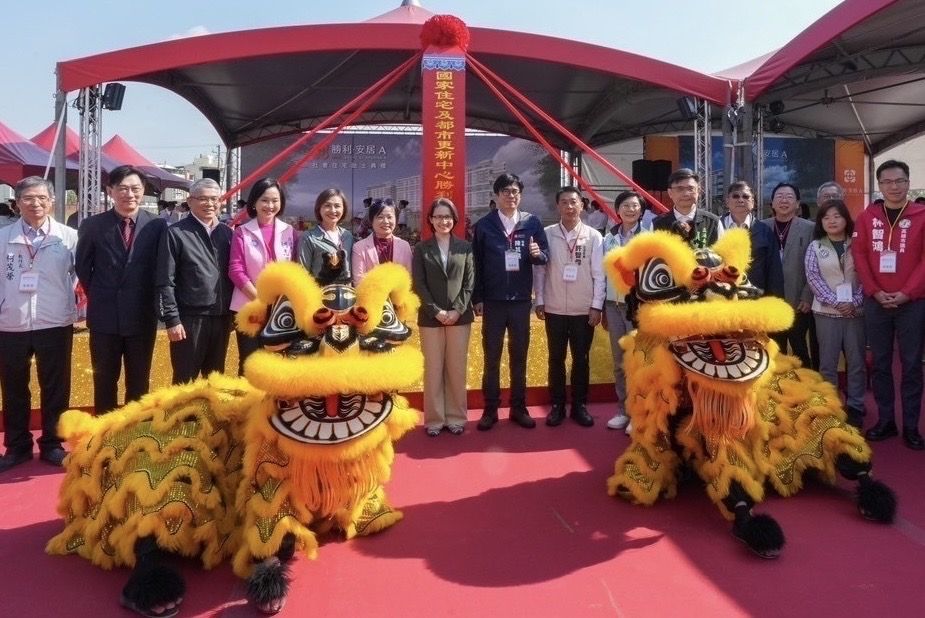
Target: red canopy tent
column 20, row 157
column 46, row 139
column 120, row 150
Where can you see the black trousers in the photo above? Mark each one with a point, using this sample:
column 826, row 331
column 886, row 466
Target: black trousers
column 500, row 317
column 107, row 354
column 51, row 348
column 204, row 349
column 246, row 346
column 570, row 332
column 802, row 338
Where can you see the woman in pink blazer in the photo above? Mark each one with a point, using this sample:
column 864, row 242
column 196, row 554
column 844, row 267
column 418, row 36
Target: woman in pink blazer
column 382, row 245
column 263, row 239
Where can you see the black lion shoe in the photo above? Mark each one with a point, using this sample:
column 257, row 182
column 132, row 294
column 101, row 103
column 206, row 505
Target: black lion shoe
column 520, row 416
column 581, row 416
column 882, row 431
column 913, row 439
column 13, row 458
column 556, row 415
column 488, row 420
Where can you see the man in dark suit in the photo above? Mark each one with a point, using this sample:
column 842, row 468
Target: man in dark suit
column 194, row 290
column 698, row 227
column 116, row 263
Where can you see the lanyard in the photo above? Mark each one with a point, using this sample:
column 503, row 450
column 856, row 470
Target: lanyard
column 34, row 251
column 571, row 246
column 889, row 239
column 510, row 237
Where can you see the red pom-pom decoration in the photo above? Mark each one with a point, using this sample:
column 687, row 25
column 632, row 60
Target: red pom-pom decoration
column 445, row 31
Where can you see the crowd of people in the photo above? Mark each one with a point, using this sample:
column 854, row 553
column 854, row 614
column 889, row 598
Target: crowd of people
column 853, row 284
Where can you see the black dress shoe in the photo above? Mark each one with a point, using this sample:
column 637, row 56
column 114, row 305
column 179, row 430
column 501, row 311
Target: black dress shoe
column 520, row 416
column 556, row 415
column 488, row 420
column 855, row 418
column 12, row 458
column 581, row 416
column 54, row 456
column 882, row 431
column 913, row 439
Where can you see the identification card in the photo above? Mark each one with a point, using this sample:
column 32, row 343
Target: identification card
column 512, row 261
column 888, row 262
column 570, row 272
column 843, row 293
column 29, row 282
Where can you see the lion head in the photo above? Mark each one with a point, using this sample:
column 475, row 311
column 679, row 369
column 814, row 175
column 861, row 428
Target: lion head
column 331, row 356
column 699, row 306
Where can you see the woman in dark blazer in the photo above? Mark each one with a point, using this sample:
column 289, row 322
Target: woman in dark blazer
column 325, row 250
column 444, row 276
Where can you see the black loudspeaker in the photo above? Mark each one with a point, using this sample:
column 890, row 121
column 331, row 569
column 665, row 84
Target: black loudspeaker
column 688, row 107
column 212, row 172
column 643, row 174
column 661, row 170
column 113, row 95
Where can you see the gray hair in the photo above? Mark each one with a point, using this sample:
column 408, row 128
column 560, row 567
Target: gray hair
column 830, row 185
column 34, row 181
column 204, row 183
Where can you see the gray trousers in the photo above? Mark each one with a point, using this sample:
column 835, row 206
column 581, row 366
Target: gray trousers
column 837, row 336
column 617, row 326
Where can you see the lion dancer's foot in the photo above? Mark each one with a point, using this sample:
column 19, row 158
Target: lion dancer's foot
column 876, row 501
column 268, row 586
column 153, row 590
column 761, row 533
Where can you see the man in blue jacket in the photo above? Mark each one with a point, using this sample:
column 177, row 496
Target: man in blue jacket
column 507, row 243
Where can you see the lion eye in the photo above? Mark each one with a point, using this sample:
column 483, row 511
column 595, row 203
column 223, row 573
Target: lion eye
column 281, row 327
column 656, row 282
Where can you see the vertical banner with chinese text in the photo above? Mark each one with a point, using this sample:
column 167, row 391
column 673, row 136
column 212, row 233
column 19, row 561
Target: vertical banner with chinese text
column 443, row 151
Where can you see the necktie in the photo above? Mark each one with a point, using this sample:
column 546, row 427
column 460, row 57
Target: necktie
column 127, row 233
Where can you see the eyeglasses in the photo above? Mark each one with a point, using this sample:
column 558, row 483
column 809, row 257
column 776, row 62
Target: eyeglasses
column 893, row 183
column 34, row 199
column 136, row 189
column 684, row 188
column 205, row 198
column 740, row 196
column 630, row 205
column 441, row 217
column 510, row 192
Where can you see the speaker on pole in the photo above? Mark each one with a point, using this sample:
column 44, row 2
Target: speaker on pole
column 113, row 95
column 688, row 108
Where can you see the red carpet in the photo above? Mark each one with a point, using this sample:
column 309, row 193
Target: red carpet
column 518, row 523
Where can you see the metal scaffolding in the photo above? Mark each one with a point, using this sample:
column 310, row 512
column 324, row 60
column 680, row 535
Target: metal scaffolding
column 90, row 104
column 703, row 160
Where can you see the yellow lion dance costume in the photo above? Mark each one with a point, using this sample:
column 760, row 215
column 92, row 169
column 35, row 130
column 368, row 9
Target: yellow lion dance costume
column 707, row 389
column 252, row 469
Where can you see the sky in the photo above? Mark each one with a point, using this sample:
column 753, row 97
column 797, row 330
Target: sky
column 707, row 35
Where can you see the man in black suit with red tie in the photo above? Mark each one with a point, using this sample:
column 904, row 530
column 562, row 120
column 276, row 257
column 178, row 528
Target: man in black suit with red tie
column 117, row 264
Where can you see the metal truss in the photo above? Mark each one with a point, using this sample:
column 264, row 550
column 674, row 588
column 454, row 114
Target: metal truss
column 758, row 154
column 848, row 68
column 90, row 104
column 703, row 160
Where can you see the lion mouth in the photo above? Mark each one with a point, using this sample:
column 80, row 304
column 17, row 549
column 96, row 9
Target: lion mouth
column 736, row 358
column 330, row 420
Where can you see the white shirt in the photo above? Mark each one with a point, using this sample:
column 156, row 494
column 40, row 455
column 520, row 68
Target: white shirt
column 509, row 223
column 206, row 225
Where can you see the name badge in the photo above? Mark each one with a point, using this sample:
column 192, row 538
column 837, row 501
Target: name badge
column 843, row 293
column 570, row 272
column 511, row 261
column 29, row 282
column 888, row 262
